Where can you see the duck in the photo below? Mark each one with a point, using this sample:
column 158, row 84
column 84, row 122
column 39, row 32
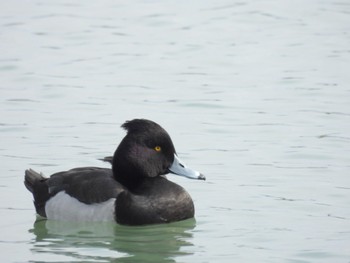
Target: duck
column 135, row 191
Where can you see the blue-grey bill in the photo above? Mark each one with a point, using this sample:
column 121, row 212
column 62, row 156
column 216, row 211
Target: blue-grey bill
column 179, row 168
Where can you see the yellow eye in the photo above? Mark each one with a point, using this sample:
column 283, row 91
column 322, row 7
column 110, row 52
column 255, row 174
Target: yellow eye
column 157, row 148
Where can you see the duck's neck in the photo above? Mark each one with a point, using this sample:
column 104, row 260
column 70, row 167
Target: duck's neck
column 138, row 184
column 129, row 181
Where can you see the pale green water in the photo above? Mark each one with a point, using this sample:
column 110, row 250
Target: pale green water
column 255, row 95
column 102, row 242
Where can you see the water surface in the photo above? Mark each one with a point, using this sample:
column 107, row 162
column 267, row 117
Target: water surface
column 255, row 95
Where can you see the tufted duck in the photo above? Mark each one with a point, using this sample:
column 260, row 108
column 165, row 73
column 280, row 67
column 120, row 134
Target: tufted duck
column 134, row 192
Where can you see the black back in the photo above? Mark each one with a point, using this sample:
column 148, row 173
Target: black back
column 87, row 184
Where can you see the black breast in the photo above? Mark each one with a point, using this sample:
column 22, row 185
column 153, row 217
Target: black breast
column 156, row 201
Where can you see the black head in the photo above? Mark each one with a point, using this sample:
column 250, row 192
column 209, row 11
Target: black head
column 145, row 152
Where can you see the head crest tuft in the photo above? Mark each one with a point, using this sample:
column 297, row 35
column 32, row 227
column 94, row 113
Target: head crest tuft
column 141, row 125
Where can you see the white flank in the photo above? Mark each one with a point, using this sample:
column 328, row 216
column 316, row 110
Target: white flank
column 63, row 207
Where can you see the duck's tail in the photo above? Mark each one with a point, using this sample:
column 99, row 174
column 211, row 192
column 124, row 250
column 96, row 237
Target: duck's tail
column 36, row 183
column 31, row 178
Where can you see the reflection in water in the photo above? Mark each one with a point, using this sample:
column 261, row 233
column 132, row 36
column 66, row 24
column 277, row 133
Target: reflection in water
column 110, row 242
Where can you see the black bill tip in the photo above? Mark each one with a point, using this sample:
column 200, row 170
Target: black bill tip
column 201, row 177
